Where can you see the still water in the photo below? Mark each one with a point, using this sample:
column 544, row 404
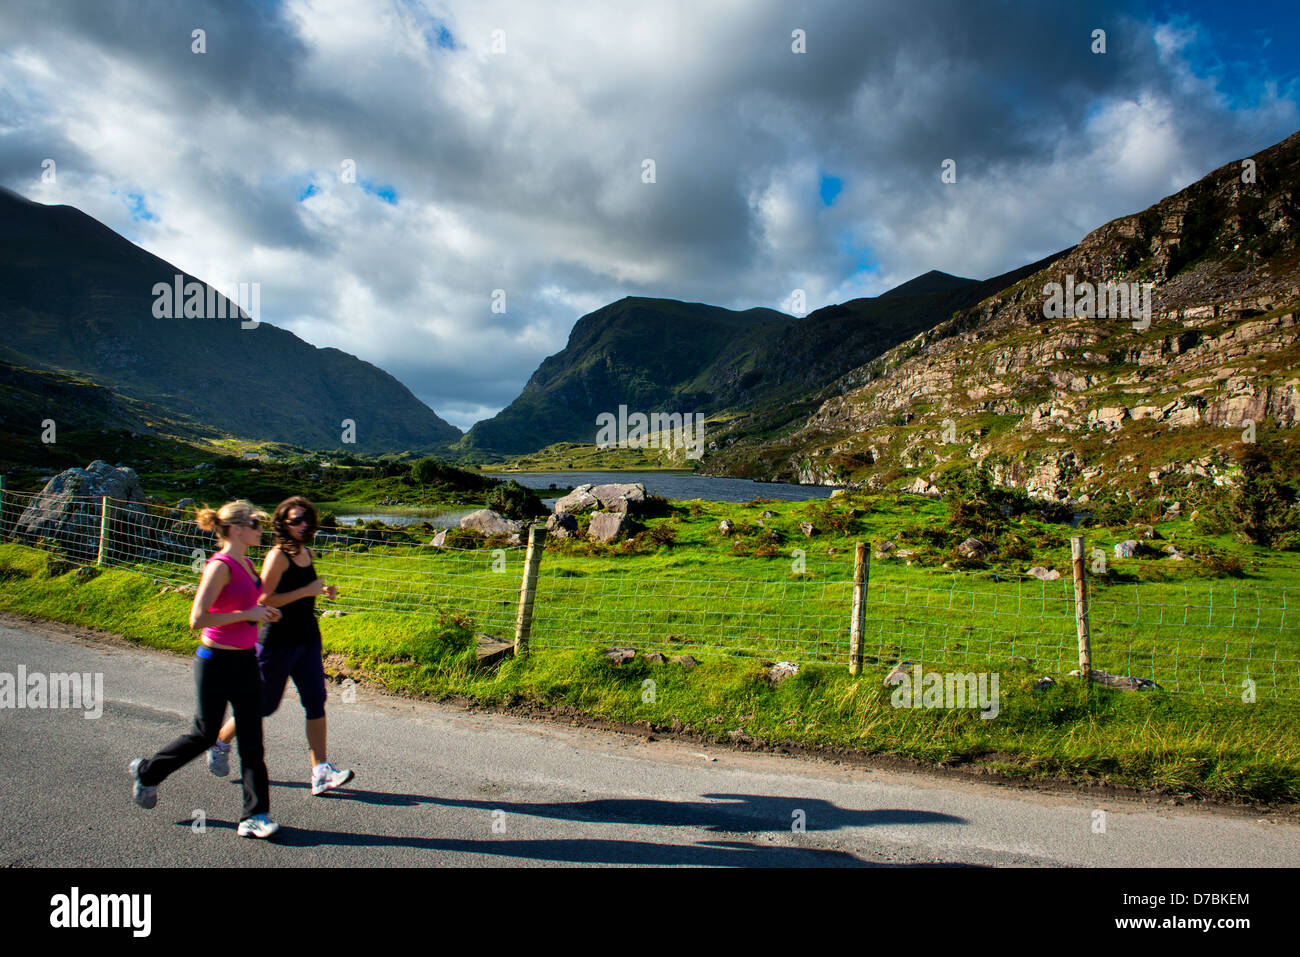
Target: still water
column 674, row 485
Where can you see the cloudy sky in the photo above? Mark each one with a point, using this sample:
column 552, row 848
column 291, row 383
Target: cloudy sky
column 502, row 146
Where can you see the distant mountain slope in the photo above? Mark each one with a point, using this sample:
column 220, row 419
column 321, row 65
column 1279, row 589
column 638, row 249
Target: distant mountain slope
column 78, row 298
column 759, row 371
column 648, row 354
column 1078, row 406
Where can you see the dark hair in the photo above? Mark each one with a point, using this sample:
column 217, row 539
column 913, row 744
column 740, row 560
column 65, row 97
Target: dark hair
column 280, row 524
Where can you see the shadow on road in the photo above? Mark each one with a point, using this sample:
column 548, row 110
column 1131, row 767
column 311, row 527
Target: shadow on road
column 731, row 813
column 588, row 850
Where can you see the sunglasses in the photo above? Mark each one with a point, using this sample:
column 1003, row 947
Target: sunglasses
column 301, row 520
column 255, row 523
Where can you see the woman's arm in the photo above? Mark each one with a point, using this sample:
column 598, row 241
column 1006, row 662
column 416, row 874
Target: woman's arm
column 275, row 565
column 215, row 577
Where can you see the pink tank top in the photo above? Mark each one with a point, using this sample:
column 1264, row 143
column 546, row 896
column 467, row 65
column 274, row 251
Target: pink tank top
column 240, row 593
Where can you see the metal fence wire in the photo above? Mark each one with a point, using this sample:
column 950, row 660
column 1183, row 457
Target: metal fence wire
column 1210, row 638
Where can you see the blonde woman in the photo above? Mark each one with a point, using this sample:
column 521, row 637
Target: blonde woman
column 228, row 608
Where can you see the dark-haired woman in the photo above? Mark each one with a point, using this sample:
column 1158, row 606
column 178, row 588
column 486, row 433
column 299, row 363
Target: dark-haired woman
column 228, row 608
column 291, row 647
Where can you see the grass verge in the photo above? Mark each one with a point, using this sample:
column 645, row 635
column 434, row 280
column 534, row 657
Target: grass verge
column 1177, row 744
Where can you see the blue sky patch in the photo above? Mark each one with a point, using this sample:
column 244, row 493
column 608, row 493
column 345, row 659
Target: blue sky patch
column 310, row 191
column 137, row 207
column 830, row 188
column 387, row 193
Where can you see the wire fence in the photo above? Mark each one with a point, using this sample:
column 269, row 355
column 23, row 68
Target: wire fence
column 1206, row 637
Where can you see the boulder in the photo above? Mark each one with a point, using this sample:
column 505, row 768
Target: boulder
column 972, row 548
column 1122, row 682
column 1127, row 549
column 561, row 525
column 578, row 501
column 607, row 526
column 487, row 522
column 1044, row 574
column 726, row 526
column 808, row 529
column 621, row 498
column 654, row 658
column 686, row 661
column 67, row 509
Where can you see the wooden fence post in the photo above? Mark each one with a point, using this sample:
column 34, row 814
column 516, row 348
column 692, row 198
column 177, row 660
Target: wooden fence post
column 1081, row 607
column 528, row 588
column 861, row 577
column 103, row 531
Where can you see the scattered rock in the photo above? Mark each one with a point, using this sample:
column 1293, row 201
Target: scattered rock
column 781, row 670
column 808, row 529
column 896, row 676
column 333, row 613
column 1122, row 682
column 1127, row 549
column 726, row 526
column 767, row 514
column 1045, row 574
column 620, row 656
column 655, row 658
column 439, row 539
column 972, row 548
column 687, row 662
column 487, row 522
column 1044, row 683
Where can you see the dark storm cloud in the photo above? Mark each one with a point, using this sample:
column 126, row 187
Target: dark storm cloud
column 522, row 171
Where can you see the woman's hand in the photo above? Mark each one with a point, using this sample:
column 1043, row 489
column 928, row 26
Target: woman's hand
column 317, row 586
column 260, row 613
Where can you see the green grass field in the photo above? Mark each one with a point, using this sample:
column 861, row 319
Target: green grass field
column 739, row 602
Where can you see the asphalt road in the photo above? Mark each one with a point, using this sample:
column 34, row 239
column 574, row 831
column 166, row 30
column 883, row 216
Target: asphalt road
column 439, row 786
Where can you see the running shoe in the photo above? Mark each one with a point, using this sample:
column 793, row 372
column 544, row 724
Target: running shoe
column 219, row 760
column 144, row 795
column 259, row 825
column 326, row 777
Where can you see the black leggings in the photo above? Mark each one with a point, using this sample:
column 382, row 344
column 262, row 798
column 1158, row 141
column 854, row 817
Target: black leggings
column 222, row 675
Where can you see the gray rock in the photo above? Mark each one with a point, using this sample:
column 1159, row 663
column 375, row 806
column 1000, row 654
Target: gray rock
column 67, row 509
column 782, row 670
column 726, row 526
column 607, row 526
column 895, row 676
column 628, row 498
column 1122, row 682
column 438, row 539
column 686, row 661
column 620, row 656
column 1127, row 549
column 767, row 514
column 654, row 657
column 1044, row 683
column 487, row 522
column 561, row 525
column 1046, row 574
column 972, row 548
column 808, row 529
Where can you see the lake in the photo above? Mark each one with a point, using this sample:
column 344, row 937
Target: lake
column 674, row 485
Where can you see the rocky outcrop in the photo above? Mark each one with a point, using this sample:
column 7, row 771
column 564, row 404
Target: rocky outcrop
column 487, row 522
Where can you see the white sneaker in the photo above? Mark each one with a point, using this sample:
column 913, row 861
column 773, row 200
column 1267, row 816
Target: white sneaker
column 259, row 825
column 219, row 760
column 144, row 795
column 326, row 777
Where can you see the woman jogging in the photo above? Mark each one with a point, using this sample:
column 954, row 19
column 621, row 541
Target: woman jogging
column 228, row 609
column 291, row 647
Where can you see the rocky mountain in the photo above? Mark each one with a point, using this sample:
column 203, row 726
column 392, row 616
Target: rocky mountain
column 1060, row 386
column 81, row 300
column 761, row 370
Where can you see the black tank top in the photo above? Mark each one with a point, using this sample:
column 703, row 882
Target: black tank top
column 297, row 624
